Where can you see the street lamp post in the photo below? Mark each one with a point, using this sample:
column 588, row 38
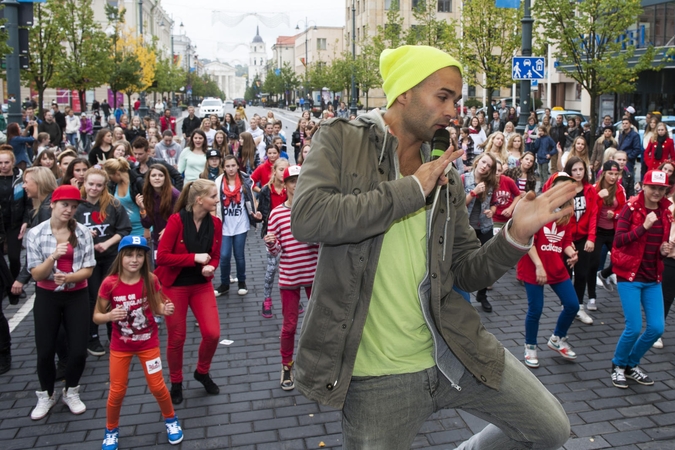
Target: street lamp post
column 352, row 107
column 525, row 84
column 297, row 27
column 143, row 108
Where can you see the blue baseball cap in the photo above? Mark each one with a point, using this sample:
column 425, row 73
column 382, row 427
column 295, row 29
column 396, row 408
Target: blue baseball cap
column 133, row 241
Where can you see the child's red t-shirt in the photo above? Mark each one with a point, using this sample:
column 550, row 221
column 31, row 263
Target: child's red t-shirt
column 138, row 331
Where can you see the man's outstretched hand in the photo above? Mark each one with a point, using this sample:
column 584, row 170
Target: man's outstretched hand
column 534, row 212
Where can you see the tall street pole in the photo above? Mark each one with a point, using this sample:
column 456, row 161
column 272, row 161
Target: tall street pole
column 525, row 84
column 352, row 107
column 143, row 108
column 12, row 62
column 306, row 56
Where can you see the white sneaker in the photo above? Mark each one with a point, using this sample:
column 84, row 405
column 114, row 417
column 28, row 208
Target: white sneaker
column 71, row 397
column 583, row 316
column 531, row 359
column 44, row 404
column 233, row 279
column 591, row 306
column 658, row 343
column 612, row 279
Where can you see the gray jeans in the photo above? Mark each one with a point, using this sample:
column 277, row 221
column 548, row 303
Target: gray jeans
column 386, row 413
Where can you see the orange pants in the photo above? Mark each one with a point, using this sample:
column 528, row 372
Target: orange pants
column 119, row 377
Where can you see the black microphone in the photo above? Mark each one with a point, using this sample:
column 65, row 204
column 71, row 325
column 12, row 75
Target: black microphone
column 439, row 143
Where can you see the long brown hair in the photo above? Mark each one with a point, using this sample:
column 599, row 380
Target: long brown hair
column 165, row 195
column 247, row 150
column 70, row 171
column 106, row 198
column 50, row 155
column 571, row 162
column 490, row 179
column 72, row 227
column 99, row 137
column 154, row 297
column 583, row 155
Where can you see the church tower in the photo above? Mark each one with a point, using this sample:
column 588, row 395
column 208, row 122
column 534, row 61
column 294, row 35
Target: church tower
column 257, row 58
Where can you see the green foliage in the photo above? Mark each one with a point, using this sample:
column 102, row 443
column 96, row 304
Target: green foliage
column 473, row 102
column 277, row 85
column 491, row 36
column 590, row 37
column 204, row 86
column 431, row 31
column 44, row 44
column 4, row 48
column 168, row 77
column 85, row 63
column 125, row 68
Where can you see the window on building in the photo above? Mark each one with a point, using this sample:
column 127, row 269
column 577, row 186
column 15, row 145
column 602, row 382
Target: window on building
column 445, row 6
column 670, row 24
column 321, row 44
column 660, row 25
column 646, row 20
column 391, row 5
column 358, row 7
column 416, row 3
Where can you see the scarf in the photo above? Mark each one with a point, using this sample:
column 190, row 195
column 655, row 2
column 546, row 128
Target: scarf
column 197, row 241
column 473, row 131
column 231, row 197
column 658, row 153
column 214, row 173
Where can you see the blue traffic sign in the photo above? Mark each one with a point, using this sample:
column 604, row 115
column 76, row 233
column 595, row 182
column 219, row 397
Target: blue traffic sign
column 528, row 68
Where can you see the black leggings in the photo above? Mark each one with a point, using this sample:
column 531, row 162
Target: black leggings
column 51, row 309
column 668, row 284
column 483, row 238
column 94, row 282
column 603, row 237
column 14, row 250
column 580, row 270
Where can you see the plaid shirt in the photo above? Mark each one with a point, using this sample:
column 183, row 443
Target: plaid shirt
column 40, row 243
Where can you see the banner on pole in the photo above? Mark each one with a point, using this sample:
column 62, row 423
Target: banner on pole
column 507, row 4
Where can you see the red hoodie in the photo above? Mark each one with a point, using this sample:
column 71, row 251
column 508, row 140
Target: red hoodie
column 550, row 242
column 586, row 208
column 263, row 173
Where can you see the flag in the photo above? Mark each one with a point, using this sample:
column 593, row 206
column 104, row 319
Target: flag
column 507, row 4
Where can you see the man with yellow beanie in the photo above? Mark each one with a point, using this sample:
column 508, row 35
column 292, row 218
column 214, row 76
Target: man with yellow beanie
column 386, row 338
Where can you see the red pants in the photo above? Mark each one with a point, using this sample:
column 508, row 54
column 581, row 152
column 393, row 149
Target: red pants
column 119, row 377
column 202, row 301
column 290, row 298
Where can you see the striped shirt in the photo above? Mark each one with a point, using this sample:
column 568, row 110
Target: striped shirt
column 647, row 272
column 297, row 264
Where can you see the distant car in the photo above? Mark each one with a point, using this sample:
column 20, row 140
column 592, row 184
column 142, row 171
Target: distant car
column 566, row 113
column 210, row 106
column 642, row 123
column 239, row 102
column 229, row 104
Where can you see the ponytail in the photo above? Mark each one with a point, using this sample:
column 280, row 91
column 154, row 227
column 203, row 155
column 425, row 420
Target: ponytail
column 72, row 226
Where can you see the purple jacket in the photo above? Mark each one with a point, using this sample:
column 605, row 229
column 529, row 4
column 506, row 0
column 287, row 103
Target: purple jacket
column 86, row 126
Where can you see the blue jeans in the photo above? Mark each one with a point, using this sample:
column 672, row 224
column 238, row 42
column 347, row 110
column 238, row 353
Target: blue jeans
column 386, row 413
column 535, row 305
column 72, row 139
column 632, row 345
column 238, row 243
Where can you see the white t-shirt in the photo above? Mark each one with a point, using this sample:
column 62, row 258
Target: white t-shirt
column 235, row 216
column 210, row 135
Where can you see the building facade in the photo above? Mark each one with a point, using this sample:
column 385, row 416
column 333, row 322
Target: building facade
column 224, row 76
column 257, row 58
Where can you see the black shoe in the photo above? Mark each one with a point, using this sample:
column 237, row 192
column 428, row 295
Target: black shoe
column 13, row 299
column 619, row 377
column 223, row 289
column 209, row 385
column 638, row 375
column 176, row 393
column 95, row 348
column 5, row 361
column 242, row 288
column 484, row 303
column 61, row 370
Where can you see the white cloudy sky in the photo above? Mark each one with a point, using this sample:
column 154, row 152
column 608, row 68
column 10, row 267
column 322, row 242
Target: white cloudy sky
column 197, row 17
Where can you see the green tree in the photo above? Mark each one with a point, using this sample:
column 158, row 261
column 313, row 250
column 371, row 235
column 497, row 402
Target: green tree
column 592, row 45
column 125, row 68
column 392, row 34
column 429, row 30
column 86, row 62
column 491, row 38
column 368, row 69
column 44, row 44
column 168, row 77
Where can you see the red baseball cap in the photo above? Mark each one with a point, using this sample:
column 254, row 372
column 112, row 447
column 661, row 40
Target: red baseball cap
column 291, row 171
column 66, row 192
column 656, row 178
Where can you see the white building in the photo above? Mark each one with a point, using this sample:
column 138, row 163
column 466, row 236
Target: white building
column 224, row 76
column 257, row 58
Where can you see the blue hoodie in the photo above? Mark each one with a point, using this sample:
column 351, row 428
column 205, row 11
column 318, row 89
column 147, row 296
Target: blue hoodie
column 544, row 146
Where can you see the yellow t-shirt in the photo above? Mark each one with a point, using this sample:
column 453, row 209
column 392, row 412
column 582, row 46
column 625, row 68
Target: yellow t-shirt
column 396, row 338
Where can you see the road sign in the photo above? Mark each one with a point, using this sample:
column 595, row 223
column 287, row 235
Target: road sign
column 528, row 68
column 534, row 83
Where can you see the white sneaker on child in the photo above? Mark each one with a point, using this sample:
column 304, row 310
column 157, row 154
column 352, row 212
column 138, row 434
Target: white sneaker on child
column 71, row 397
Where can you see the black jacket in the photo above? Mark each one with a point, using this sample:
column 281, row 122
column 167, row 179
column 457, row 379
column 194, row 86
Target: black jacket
column 116, row 222
column 54, row 131
column 189, row 125
column 132, row 133
column 20, row 203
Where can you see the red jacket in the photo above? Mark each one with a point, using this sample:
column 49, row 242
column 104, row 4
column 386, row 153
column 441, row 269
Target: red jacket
column 172, row 255
column 587, row 224
column 626, row 259
column 167, row 124
column 620, row 196
column 668, row 153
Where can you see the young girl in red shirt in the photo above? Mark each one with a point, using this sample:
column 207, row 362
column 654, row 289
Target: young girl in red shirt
column 541, row 266
column 128, row 298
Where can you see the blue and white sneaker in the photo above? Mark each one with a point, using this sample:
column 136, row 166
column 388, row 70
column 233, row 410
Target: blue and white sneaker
column 173, row 430
column 110, row 441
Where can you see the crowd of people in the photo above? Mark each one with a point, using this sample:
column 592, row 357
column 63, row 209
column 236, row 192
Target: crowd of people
column 130, row 233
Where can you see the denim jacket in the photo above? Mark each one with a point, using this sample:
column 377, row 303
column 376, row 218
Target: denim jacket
column 469, row 184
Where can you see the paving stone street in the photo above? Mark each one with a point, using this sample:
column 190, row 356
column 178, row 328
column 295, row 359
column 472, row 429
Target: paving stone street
column 252, row 412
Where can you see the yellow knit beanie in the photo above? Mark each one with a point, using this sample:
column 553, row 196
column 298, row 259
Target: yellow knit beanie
column 405, row 67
